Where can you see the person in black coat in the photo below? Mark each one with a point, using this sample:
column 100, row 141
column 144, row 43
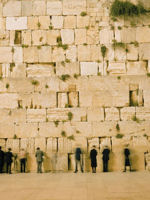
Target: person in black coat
column 105, row 153
column 93, row 154
column 127, row 160
column 9, row 160
column 1, row 160
column 78, row 159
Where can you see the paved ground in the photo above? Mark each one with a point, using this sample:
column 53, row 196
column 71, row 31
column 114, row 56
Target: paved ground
column 70, row 186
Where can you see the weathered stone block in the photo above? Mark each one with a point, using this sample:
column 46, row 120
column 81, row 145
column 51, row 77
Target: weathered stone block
column 57, row 114
column 33, row 23
column 52, row 37
column 16, row 23
column 70, row 22
column 13, row 144
column 39, row 8
column 26, row 130
column 112, row 114
column 80, row 36
column 144, row 51
column 71, row 53
column 49, row 129
column 40, row 142
column 106, row 36
column 62, row 145
column 62, row 99
column 128, row 35
column 89, row 68
column 5, row 54
column 27, row 8
column 8, row 100
column 18, row 55
column 45, row 54
column 92, row 37
column 120, row 54
column 95, row 114
column 26, row 37
column 83, row 22
column 3, row 144
column 73, row 7
column 84, row 53
column 30, row 54
column 127, row 113
column 36, row 115
column 142, row 34
column 7, row 130
column 58, row 55
column 143, row 113
column 69, row 68
column 44, row 22
column 38, row 37
column 136, row 68
column 12, row 8
column 73, row 98
column 116, row 68
column 57, row 22
column 67, row 36
column 37, row 70
column 54, row 8
column 133, row 52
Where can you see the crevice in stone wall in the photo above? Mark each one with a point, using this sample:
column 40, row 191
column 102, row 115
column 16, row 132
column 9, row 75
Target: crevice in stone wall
column 17, row 39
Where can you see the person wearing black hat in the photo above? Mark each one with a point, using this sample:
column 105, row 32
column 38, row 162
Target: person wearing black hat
column 105, row 153
column 9, row 160
column 1, row 160
column 93, row 154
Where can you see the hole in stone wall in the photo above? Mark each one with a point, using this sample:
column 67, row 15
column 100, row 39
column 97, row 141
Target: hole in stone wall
column 17, row 39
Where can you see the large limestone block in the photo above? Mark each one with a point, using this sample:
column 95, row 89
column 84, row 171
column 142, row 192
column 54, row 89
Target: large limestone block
column 49, row 129
column 57, row 22
column 51, row 144
column 44, row 100
column 73, row 7
column 143, row 113
column 80, row 36
column 21, row 85
column 30, row 54
column 89, row 68
column 54, row 8
column 45, row 54
column 38, row 37
column 93, row 141
column 127, row 113
column 71, row 53
column 62, row 162
column 70, row 22
column 62, row 145
column 52, row 36
column 120, row 54
column 1, row 10
column 9, row 100
column 18, row 55
column 7, row 130
column 79, row 114
column 126, row 35
column 84, row 129
column 95, row 114
column 133, row 52
column 142, row 34
column 44, row 22
column 112, row 114
column 37, row 70
column 13, row 144
column 67, row 36
column 117, row 68
column 57, row 114
column 26, row 8
column 92, row 37
column 36, row 115
column 58, row 55
column 16, row 23
column 136, row 68
column 32, row 23
column 3, row 144
column 144, row 51
column 84, row 53
column 40, row 142
column 62, row 99
column 39, row 8
column 69, row 68
column 26, row 37
column 85, row 98
column 12, row 8
column 95, row 53
column 73, row 99
column 26, row 130
column 5, row 54
column 106, row 36
column 83, row 22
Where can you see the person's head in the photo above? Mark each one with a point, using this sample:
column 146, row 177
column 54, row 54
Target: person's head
column 94, row 146
column 38, row 148
column 9, row 149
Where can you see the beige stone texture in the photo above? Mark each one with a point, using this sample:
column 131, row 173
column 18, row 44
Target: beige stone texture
column 2, row 27
column 57, row 22
column 120, row 54
column 1, row 10
column 95, row 53
column 40, row 142
column 112, row 114
column 52, row 37
column 3, row 144
column 32, row 23
column 26, row 8
column 30, row 54
column 49, row 129
column 69, row 22
column 12, row 8
column 67, row 36
column 106, row 36
column 73, row 7
column 26, row 130
column 117, row 68
column 45, row 55
column 144, row 51
column 62, row 145
column 16, row 23
column 83, row 22
column 84, row 53
column 127, row 113
column 58, row 55
column 69, row 68
column 62, row 99
column 128, row 35
column 133, row 52
column 38, row 70
column 54, row 8
column 51, row 144
column 89, row 68
column 84, row 129
column 39, row 8
column 143, row 113
column 6, row 130
column 95, row 114
column 80, row 36
column 5, row 54
column 36, row 115
column 44, row 22
column 142, row 34
column 19, row 71
column 13, row 144
column 92, row 37
column 71, row 53
column 8, row 100
column 136, row 68
column 26, row 37
column 38, row 37
column 18, row 55
column 73, row 99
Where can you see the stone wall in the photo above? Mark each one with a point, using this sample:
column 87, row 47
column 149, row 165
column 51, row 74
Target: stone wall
column 58, row 91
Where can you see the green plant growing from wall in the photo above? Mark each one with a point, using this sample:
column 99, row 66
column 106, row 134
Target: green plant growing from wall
column 39, row 24
column 46, row 86
column 12, row 65
column 70, row 116
column 116, row 44
column 71, row 137
column 103, row 50
column 15, row 136
column 135, row 119
column 136, row 44
column 148, row 74
column 126, row 9
column 119, row 136
column 25, row 46
column 63, row 134
column 64, row 77
column 7, row 85
column 117, row 127
column 35, row 82
column 83, row 14
column 50, row 27
column 68, row 105
column 56, row 123
column 67, row 60
column 76, row 76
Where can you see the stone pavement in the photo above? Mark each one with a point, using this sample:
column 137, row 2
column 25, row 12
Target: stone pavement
column 70, row 186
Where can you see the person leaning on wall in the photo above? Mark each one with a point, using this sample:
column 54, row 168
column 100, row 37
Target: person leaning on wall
column 105, row 158
column 23, row 159
column 39, row 159
column 9, row 159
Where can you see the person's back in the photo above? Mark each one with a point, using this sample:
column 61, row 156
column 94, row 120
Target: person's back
column 105, row 153
column 78, row 153
column 126, row 152
column 39, row 155
column 93, row 154
column 8, row 157
column 1, row 160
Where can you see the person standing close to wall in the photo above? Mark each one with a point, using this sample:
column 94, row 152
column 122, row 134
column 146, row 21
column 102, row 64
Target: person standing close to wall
column 78, row 159
column 105, row 153
column 1, row 160
column 93, row 154
column 127, row 160
column 9, row 160
column 39, row 159
column 23, row 159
